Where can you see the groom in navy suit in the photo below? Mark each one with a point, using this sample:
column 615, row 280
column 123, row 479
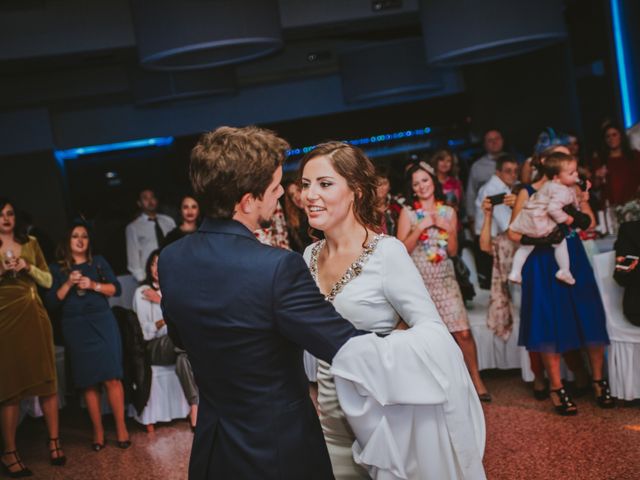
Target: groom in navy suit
column 244, row 312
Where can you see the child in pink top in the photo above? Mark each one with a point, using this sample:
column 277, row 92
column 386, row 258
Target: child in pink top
column 543, row 212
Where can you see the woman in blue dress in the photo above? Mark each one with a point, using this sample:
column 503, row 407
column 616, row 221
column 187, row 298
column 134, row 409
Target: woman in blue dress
column 556, row 317
column 81, row 284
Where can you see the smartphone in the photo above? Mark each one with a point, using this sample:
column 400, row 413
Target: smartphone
column 497, row 199
column 625, row 263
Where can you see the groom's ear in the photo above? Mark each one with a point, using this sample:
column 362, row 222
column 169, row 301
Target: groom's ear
column 246, row 203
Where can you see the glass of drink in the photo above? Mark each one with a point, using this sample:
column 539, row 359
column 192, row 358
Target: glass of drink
column 9, row 257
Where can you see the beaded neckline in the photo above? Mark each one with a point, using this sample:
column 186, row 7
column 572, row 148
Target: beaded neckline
column 354, row 270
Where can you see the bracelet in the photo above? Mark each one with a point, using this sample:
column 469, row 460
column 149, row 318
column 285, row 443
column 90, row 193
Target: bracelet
column 98, row 287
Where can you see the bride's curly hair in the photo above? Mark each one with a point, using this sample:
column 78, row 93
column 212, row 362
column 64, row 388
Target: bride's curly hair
column 351, row 163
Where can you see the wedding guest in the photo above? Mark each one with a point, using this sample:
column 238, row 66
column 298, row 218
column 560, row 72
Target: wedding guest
column 82, row 282
column 159, row 346
column 445, row 164
column 482, row 169
column 146, row 233
column 556, row 318
column 273, row 231
column 627, row 273
column 428, row 229
column 296, row 219
column 190, row 213
column 616, row 166
column 499, row 314
column 387, row 204
column 499, row 187
column 27, row 362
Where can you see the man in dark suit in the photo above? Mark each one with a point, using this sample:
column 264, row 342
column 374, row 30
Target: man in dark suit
column 244, row 312
column 628, row 243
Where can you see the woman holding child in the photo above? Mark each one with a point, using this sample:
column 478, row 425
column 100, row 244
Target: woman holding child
column 555, row 316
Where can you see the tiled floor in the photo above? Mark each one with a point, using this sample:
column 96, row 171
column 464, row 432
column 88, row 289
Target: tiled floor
column 525, row 440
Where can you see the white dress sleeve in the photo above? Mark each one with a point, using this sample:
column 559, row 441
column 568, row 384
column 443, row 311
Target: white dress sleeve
column 403, row 285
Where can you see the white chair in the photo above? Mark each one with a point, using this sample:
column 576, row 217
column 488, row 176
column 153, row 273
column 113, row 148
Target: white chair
column 624, row 351
column 31, row 406
column 166, row 399
column 493, row 352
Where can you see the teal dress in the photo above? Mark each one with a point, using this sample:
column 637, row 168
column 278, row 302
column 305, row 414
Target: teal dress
column 90, row 330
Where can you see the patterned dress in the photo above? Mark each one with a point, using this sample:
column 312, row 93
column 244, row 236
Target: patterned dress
column 437, row 271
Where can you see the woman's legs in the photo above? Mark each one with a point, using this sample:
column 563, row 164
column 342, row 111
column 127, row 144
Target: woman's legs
column 465, row 340
column 9, row 424
column 49, row 405
column 596, row 359
column 600, row 386
column 537, row 367
column 563, row 403
column 92, row 397
column 115, row 393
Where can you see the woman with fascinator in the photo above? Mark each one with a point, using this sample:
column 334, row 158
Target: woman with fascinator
column 428, row 228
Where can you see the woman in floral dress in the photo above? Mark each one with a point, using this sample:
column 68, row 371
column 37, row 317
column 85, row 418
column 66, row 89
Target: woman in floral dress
column 428, row 228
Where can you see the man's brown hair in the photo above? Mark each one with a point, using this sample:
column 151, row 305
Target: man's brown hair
column 230, row 162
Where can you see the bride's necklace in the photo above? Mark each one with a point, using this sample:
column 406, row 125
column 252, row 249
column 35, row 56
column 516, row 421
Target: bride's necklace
column 354, row 270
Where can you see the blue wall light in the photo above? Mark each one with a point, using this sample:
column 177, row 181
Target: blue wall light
column 619, row 40
column 73, row 153
column 383, row 137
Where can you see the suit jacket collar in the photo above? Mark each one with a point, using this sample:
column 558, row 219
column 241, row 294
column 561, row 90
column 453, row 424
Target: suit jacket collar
column 227, row 226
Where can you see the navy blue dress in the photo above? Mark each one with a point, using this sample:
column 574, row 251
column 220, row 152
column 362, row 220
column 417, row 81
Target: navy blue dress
column 90, row 330
column 556, row 317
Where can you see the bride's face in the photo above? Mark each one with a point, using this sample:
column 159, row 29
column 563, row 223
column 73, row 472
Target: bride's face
column 326, row 196
column 422, row 185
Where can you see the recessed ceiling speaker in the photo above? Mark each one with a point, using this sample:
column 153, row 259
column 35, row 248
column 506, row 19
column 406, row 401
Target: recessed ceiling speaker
column 192, row 34
column 387, row 69
column 461, row 32
column 151, row 88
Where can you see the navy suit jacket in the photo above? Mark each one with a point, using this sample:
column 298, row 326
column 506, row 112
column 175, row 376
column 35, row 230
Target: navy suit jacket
column 244, row 312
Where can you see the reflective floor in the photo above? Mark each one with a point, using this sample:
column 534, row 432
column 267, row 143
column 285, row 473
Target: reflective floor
column 525, row 440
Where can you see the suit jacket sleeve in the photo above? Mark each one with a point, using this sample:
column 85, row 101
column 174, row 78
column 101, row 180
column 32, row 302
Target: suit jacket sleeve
column 303, row 315
column 171, row 329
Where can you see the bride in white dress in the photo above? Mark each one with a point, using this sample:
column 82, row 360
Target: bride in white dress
column 408, row 396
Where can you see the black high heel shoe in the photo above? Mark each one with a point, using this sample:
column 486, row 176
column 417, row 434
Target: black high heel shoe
column 23, row 472
column 566, row 408
column 59, row 460
column 124, row 444
column 96, row 447
column 604, row 400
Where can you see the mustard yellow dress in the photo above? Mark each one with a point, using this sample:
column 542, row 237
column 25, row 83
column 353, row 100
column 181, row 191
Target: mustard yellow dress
column 27, row 361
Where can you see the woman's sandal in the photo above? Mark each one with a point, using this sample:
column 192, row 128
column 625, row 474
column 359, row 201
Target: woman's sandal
column 23, row 472
column 604, row 400
column 567, row 407
column 58, row 460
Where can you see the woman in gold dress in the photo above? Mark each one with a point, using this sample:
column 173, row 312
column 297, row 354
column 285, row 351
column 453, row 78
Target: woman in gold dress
column 27, row 364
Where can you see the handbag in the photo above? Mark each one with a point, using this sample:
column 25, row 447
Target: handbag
column 463, row 277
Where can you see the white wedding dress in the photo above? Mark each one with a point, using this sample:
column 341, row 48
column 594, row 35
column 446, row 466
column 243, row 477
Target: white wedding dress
column 408, row 396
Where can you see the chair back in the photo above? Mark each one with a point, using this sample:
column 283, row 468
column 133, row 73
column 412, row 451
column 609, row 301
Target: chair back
column 618, row 327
